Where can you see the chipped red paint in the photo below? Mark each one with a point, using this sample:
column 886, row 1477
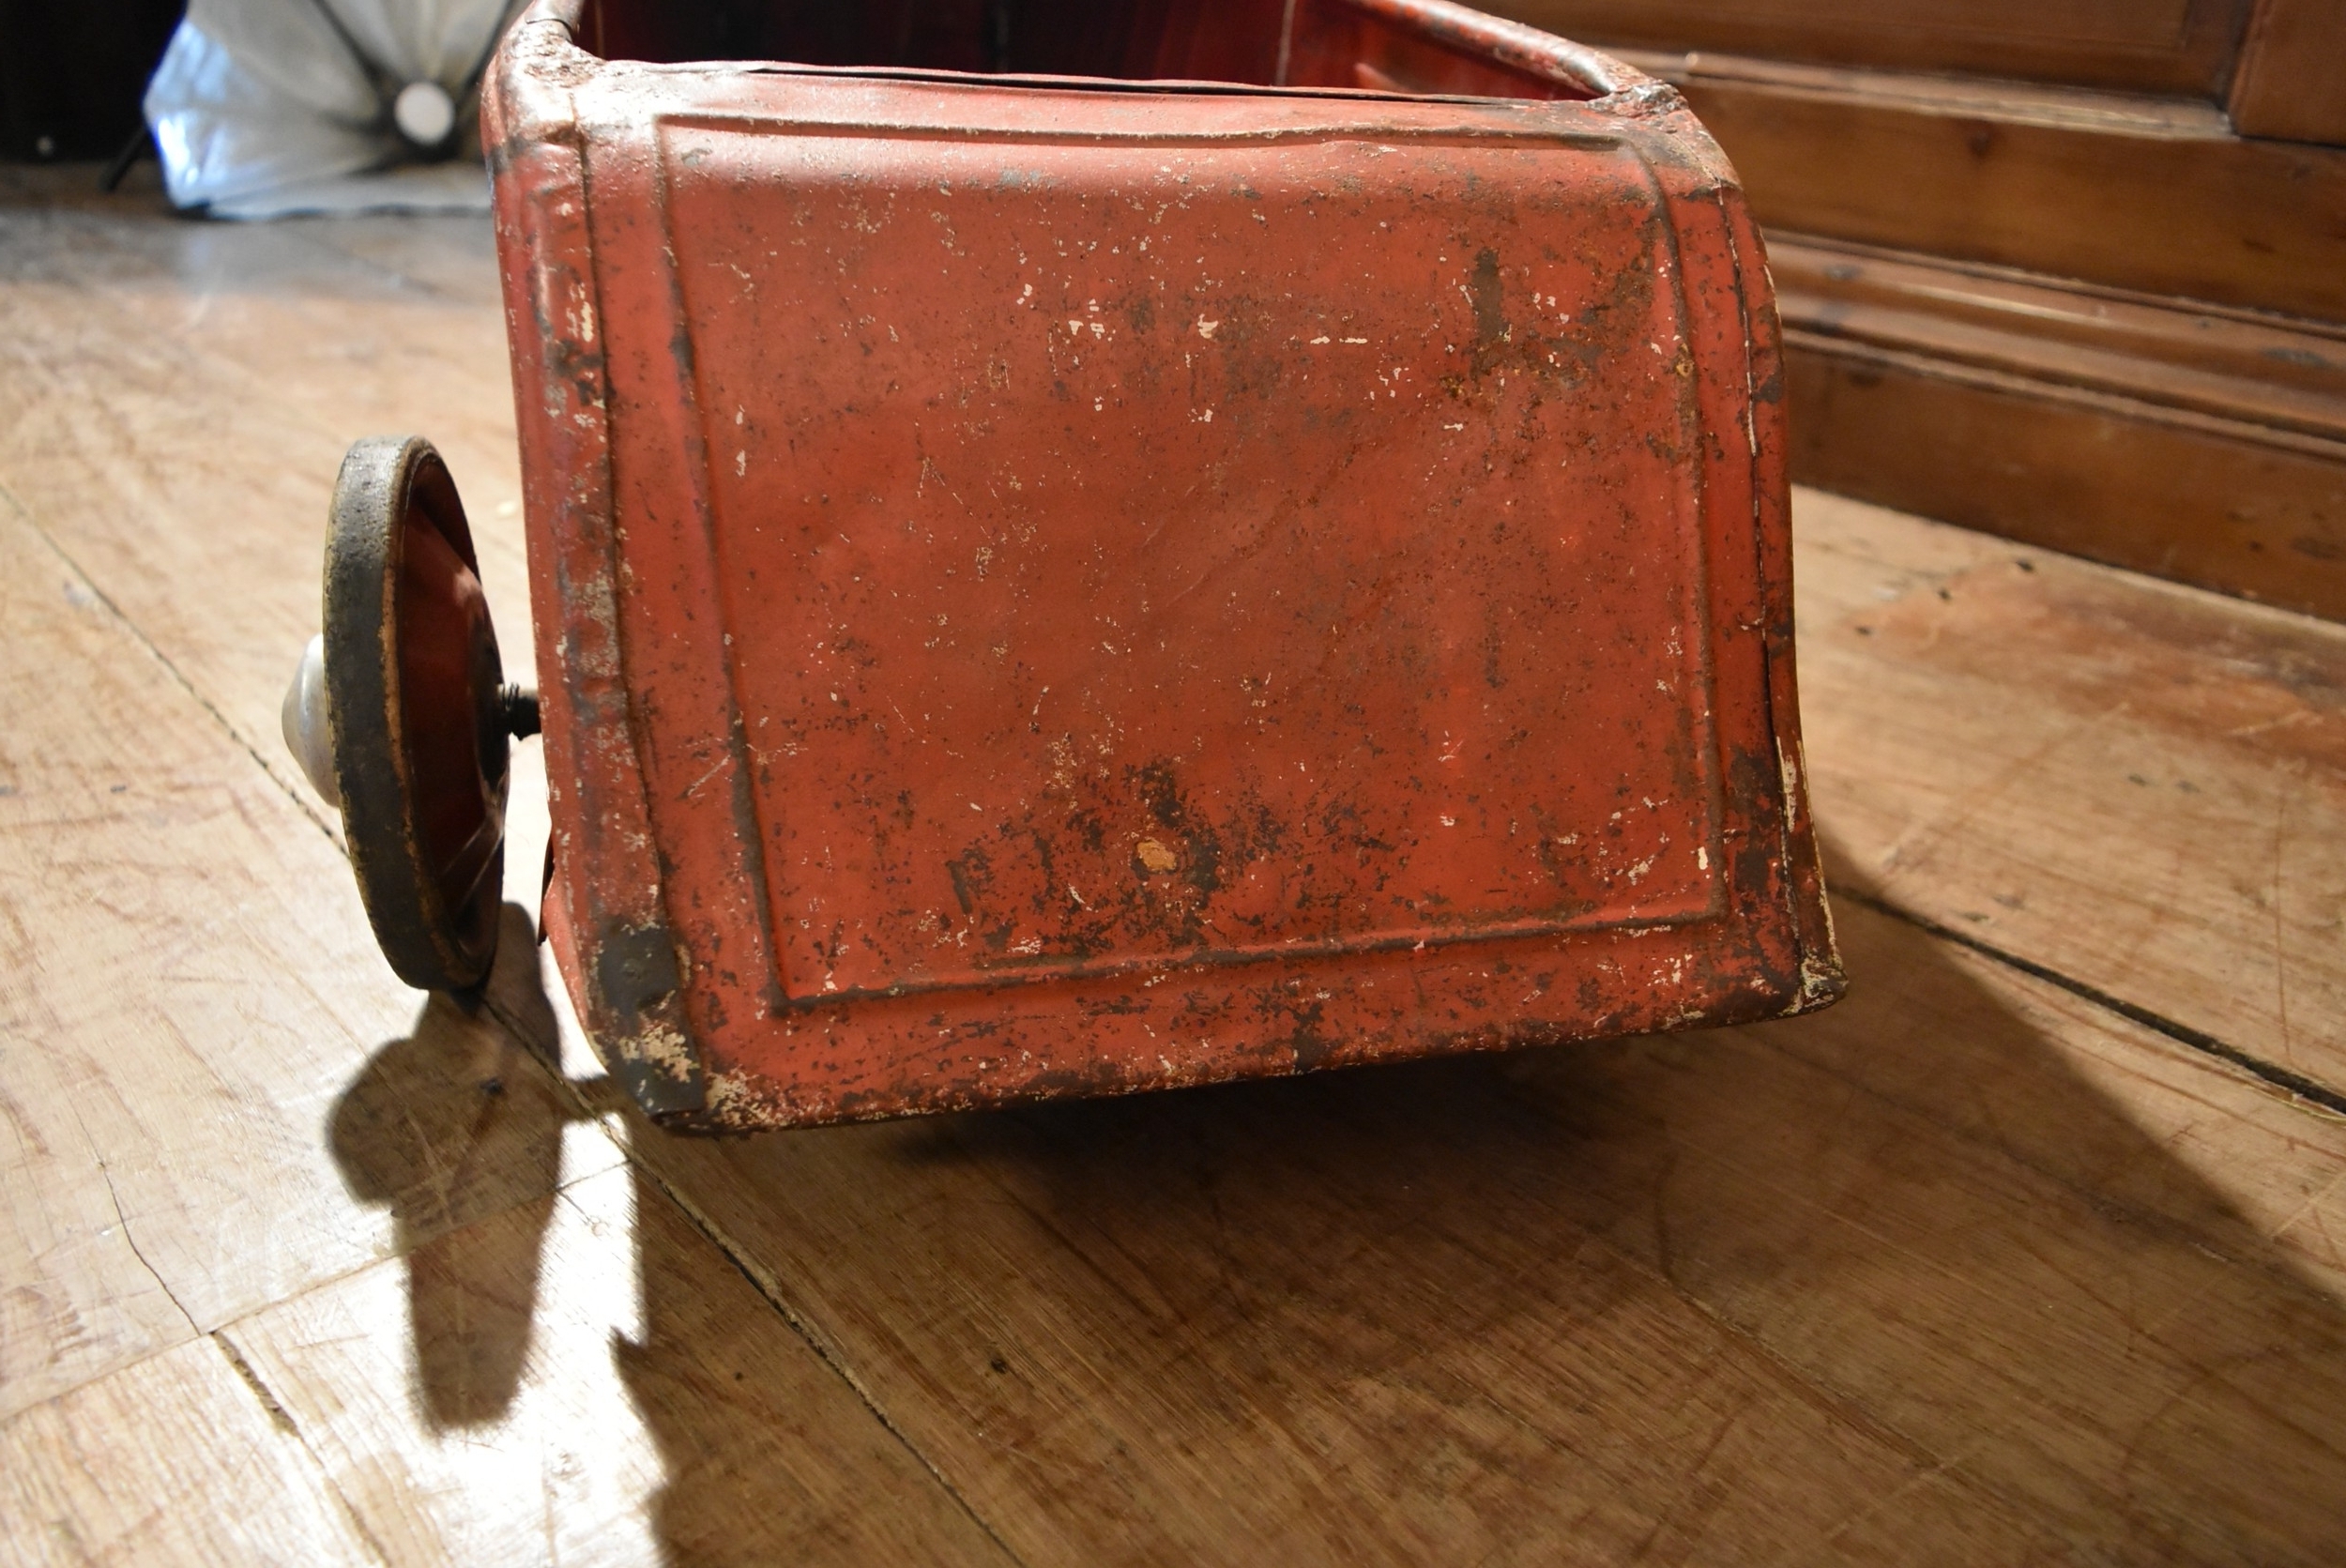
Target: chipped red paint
column 1052, row 585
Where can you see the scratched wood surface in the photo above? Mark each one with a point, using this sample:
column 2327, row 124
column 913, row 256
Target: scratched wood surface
column 2026, row 1251
column 2139, row 785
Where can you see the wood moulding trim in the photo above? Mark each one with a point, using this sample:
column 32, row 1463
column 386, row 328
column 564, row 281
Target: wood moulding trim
column 2194, row 442
column 2176, row 46
column 2011, row 102
column 2274, row 374
column 2154, row 194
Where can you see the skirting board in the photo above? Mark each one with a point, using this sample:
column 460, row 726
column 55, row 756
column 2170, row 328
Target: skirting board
column 2194, row 442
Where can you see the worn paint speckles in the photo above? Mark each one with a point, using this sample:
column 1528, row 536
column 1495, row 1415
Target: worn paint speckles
column 1218, row 585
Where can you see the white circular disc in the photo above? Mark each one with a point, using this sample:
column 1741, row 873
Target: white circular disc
column 424, row 113
column 303, row 716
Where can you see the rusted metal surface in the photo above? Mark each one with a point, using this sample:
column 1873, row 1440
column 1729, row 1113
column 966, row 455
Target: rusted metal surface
column 1053, row 586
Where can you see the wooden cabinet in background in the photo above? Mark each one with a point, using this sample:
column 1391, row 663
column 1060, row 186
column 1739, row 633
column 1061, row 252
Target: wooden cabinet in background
column 2151, row 46
column 2072, row 270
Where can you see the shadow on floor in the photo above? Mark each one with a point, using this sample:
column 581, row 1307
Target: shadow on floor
column 451, row 1125
column 1896, row 1283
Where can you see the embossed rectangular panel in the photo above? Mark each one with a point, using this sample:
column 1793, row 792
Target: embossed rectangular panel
column 1055, row 586
column 1057, row 654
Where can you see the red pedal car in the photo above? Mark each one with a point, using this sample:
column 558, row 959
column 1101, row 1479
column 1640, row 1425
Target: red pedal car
column 1080, row 549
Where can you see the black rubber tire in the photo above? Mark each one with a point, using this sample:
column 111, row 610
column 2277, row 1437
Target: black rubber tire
column 438, row 928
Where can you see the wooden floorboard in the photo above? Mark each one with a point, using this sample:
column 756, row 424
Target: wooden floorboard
column 1974, row 1268
column 237, row 1144
column 175, row 398
column 1724, row 1291
column 173, row 1460
column 587, row 1380
column 186, row 989
column 2138, row 785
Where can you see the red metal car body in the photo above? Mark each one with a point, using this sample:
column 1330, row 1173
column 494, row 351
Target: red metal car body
column 1250, row 538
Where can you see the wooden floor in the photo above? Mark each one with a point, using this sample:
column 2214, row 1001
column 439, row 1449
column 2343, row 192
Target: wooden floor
column 2030, row 1251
